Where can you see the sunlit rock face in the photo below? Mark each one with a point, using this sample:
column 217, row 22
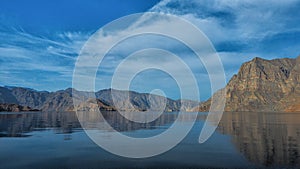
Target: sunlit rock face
column 263, row 85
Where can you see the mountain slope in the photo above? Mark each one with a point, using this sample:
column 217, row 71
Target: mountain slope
column 29, row 97
column 263, row 85
column 133, row 101
column 59, row 101
column 6, row 96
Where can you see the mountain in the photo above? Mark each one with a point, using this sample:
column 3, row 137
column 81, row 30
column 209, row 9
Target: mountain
column 58, row 101
column 187, row 105
column 94, row 104
column 263, row 85
column 29, row 97
column 23, row 96
column 6, row 96
column 133, row 101
column 260, row 85
column 62, row 100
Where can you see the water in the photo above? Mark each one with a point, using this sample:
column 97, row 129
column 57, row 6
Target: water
column 243, row 140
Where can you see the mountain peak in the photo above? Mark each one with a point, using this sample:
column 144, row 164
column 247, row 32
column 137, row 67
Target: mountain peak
column 258, row 59
column 263, row 85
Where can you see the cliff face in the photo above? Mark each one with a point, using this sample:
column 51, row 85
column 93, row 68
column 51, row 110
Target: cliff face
column 263, row 85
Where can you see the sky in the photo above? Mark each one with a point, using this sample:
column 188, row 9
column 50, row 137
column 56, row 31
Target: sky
column 40, row 40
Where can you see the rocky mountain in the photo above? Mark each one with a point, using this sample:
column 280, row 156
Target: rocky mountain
column 62, row 100
column 187, row 105
column 94, row 104
column 58, row 101
column 29, row 97
column 263, row 85
column 6, row 96
column 14, row 108
column 260, row 85
column 133, row 101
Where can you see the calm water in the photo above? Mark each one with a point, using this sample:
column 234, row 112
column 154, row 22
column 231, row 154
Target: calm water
column 243, row 140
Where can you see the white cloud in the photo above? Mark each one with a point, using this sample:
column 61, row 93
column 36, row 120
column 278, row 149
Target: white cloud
column 239, row 20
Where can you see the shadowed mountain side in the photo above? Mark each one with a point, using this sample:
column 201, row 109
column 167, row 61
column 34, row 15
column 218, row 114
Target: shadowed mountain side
column 6, row 96
column 263, row 86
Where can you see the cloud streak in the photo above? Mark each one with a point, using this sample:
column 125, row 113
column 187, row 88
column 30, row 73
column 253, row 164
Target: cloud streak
column 38, row 59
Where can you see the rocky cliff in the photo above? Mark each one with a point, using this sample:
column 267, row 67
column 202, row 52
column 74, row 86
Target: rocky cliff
column 263, row 85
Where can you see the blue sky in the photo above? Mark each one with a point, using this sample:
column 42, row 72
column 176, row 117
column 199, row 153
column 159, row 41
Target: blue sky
column 40, row 40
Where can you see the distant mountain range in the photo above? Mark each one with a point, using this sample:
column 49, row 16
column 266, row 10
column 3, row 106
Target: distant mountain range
column 260, row 85
column 62, row 100
column 263, row 86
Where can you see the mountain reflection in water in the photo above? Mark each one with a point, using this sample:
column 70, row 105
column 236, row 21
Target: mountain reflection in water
column 267, row 139
column 242, row 140
column 21, row 124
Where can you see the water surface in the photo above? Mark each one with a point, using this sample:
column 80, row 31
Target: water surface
column 243, row 140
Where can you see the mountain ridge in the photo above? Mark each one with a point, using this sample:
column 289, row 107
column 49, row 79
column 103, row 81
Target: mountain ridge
column 62, row 100
column 262, row 85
